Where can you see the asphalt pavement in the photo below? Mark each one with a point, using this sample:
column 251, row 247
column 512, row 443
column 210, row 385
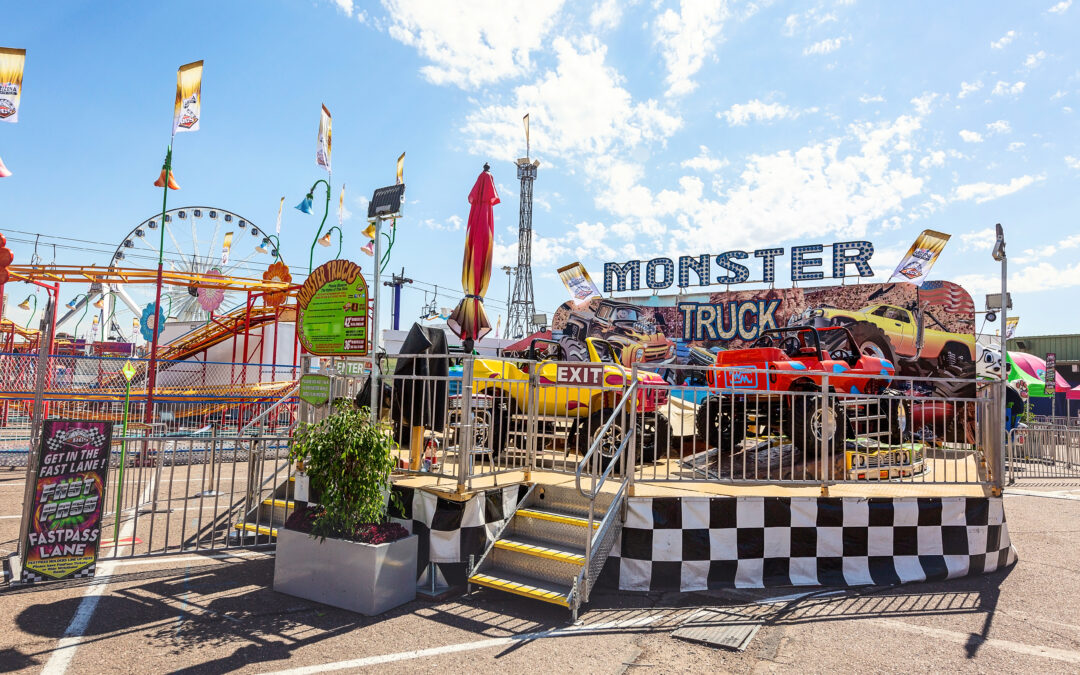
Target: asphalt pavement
column 217, row 613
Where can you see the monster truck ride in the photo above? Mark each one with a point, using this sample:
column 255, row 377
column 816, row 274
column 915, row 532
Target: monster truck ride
column 769, row 389
column 573, row 399
column 627, row 327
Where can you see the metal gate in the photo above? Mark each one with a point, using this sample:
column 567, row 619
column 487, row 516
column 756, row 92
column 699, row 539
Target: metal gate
column 1044, row 452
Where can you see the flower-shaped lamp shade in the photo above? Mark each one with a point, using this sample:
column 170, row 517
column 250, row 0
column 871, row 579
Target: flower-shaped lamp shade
column 100, row 302
column 305, row 205
column 4, row 171
column 324, row 240
column 369, row 231
column 25, row 304
column 369, row 248
column 160, row 182
column 277, row 272
column 148, row 324
column 211, row 295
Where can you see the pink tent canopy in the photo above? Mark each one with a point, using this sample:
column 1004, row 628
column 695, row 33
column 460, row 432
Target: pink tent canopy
column 1036, row 367
column 1074, row 394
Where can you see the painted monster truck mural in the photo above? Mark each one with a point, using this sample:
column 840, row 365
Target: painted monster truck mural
column 631, row 329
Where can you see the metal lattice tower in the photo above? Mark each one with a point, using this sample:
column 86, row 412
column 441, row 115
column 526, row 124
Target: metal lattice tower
column 521, row 311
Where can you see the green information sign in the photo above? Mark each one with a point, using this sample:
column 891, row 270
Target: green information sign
column 334, row 310
column 314, row 389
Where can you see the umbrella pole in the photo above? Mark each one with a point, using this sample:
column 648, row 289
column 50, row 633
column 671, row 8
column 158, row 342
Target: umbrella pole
column 416, row 448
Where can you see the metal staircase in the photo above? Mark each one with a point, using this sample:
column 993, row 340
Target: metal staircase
column 555, row 545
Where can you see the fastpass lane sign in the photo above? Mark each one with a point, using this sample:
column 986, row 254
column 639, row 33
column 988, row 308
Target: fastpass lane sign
column 583, row 375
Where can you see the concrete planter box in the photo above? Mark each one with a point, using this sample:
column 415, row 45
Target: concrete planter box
column 365, row 578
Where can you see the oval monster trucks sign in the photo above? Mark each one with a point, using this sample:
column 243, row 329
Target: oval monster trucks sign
column 333, row 306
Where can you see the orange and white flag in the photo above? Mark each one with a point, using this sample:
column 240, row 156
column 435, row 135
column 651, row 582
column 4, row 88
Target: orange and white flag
column 322, row 154
column 188, row 107
column 11, row 77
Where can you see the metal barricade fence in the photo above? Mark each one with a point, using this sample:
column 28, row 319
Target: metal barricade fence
column 191, row 397
column 178, row 494
column 1044, row 451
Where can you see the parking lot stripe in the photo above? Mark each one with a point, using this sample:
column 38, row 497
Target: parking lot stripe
column 639, row 622
column 1054, row 653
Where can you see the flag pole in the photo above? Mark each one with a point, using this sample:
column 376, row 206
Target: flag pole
column 148, row 414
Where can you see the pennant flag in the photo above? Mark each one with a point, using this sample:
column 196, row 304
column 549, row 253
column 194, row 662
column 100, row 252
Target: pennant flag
column 341, row 206
column 921, row 257
column 279, row 206
column 188, row 106
column 322, row 154
column 4, row 172
column 1010, row 326
column 225, row 249
column 577, row 280
column 525, row 121
column 401, row 169
column 11, row 77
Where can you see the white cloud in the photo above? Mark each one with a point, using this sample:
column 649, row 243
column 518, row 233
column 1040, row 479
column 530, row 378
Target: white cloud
column 922, row 103
column 1016, row 145
column 1005, row 39
column 472, row 43
column 866, row 98
column 1002, row 88
column 840, row 186
column 345, row 6
column 978, row 240
column 1059, row 94
column 605, row 15
column 756, row 111
column 686, row 38
column 451, row 224
column 971, row 136
column 1072, row 162
column 791, row 23
column 1035, row 59
column 824, row 47
column 1060, row 7
column 812, row 18
column 704, row 162
column 967, row 88
column 933, row 158
column 578, row 110
column 984, row 192
column 1033, row 254
column 999, row 127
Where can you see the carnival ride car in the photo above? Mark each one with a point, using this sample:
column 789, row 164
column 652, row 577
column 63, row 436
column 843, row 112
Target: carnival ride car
column 769, row 389
column 569, row 412
column 634, row 336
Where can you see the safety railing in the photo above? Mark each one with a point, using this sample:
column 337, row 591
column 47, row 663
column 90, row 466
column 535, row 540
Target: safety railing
column 1044, row 452
column 796, row 426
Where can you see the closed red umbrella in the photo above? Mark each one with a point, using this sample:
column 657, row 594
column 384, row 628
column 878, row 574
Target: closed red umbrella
column 468, row 319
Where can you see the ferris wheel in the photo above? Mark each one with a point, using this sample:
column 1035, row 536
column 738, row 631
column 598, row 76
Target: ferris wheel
column 198, row 240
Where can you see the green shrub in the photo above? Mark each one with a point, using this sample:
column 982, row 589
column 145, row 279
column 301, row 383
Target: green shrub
column 348, row 460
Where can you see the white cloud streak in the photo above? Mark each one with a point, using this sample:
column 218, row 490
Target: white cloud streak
column 984, row 192
column 686, row 38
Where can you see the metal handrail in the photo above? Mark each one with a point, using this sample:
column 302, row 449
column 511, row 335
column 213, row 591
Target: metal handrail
column 289, row 394
column 628, row 396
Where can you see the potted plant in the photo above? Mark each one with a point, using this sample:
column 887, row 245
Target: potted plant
column 340, row 549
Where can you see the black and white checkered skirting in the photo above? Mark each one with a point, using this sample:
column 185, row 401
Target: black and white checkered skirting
column 697, row 543
column 450, row 531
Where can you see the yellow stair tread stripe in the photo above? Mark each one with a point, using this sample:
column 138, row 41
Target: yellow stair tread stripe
column 258, row 529
column 283, row 503
column 520, row 589
column 540, row 551
column 557, row 518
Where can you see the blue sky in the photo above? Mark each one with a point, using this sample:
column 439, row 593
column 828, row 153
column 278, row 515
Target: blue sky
column 663, row 128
